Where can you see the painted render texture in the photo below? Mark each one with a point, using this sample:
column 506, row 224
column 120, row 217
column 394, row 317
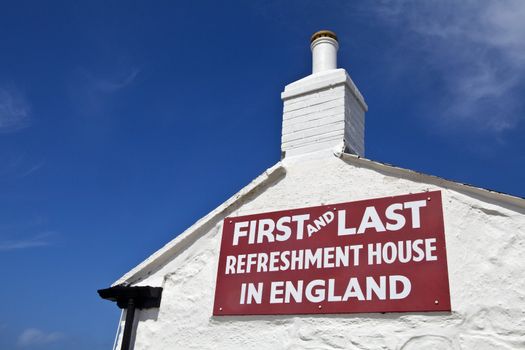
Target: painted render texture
column 484, row 231
column 485, row 244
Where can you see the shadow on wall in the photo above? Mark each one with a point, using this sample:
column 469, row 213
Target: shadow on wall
column 148, row 314
column 141, row 315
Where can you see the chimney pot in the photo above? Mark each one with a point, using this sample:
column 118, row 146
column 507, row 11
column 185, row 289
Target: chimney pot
column 324, row 47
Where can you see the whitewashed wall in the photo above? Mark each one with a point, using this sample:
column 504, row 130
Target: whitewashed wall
column 486, row 258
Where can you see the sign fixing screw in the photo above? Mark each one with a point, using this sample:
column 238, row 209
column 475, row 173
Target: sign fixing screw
column 320, row 306
column 429, row 198
column 436, row 302
column 220, row 309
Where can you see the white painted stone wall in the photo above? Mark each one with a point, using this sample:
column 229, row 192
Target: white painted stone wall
column 485, row 239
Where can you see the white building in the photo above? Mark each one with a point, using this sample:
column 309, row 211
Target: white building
column 323, row 163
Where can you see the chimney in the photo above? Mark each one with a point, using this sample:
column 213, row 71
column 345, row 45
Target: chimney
column 324, row 109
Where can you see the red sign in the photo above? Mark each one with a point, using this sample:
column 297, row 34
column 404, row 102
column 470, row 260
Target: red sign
column 376, row 255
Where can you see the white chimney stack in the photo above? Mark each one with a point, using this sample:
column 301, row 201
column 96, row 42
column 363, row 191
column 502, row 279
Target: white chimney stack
column 324, row 51
column 325, row 109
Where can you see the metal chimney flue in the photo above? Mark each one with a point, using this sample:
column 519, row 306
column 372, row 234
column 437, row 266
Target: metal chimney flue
column 324, row 47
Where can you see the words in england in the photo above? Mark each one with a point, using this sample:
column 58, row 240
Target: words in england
column 376, row 255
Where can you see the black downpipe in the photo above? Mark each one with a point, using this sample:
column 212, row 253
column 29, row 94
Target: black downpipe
column 131, row 298
column 128, row 327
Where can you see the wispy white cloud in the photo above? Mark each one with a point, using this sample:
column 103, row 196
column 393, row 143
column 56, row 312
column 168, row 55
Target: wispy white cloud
column 92, row 93
column 115, row 84
column 34, row 336
column 478, row 49
column 40, row 240
column 18, row 164
column 15, row 111
column 33, row 168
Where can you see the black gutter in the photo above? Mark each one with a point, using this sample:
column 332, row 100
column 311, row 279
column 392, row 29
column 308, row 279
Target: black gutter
column 130, row 298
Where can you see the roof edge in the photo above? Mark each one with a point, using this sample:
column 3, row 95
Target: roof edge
column 160, row 256
column 513, row 202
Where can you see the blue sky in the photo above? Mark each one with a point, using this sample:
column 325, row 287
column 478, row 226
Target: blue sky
column 122, row 123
